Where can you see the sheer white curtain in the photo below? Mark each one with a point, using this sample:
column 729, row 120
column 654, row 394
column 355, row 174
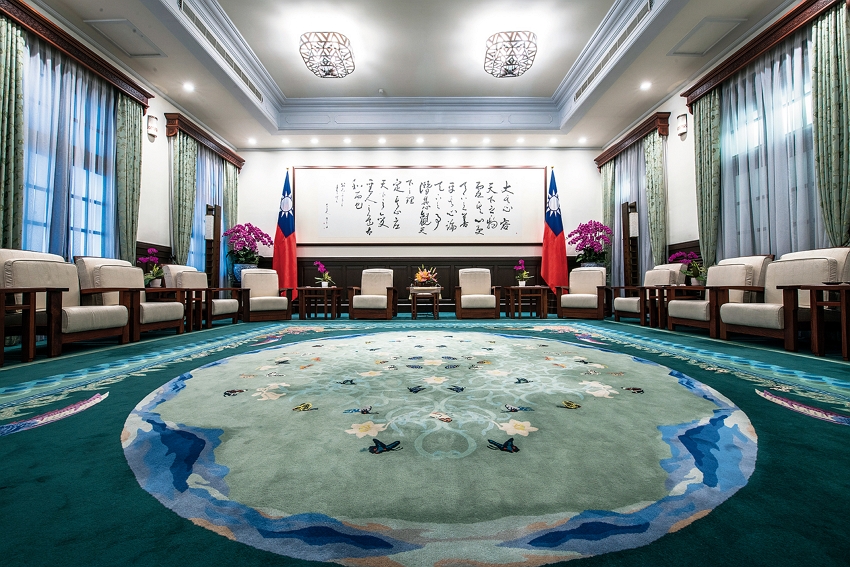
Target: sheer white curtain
column 768, row 198
column 210, row 191
column 69, row 157
column 630, row 186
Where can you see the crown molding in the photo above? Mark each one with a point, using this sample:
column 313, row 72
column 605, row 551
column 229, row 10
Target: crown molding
column 659, row 121
column 176, row 122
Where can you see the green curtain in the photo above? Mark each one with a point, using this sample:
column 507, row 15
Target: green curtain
column 831, row 105
column 656, row 196
column 128, row 173
column 707, row 149
column 184, row 158
column 608, row 207
column 11, row 134
column 231, row 186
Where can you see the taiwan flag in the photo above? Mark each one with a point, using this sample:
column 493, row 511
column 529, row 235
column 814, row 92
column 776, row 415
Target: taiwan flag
column 553, row 267
column 284, row 261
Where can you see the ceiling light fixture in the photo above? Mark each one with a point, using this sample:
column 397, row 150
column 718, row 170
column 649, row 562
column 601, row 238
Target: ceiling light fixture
column 314, row 140
column 510, row 54
column 553, row 140
column 252, row 141
column 188, row 87
column 486, row 140
column 582, row 140
column 285, row 140
column 520, row 140
column 453, row 140
column 645, row 86
column 420, row 140
column 346, row 140
column 382, row 140
column 327, row 54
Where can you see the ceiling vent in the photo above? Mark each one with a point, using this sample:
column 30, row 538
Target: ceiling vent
column 220, row 49
column 704, row 36
column 642, row 13
column 126, row 37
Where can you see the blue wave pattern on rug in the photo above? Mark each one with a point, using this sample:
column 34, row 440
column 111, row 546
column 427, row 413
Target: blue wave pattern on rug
column 710, row 459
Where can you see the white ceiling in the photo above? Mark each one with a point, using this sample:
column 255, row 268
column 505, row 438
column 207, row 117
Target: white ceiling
column 427, row 56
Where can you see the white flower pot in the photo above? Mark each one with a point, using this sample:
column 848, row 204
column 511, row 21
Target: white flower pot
column 156, row 282
column 324, row 284
column 521, row 283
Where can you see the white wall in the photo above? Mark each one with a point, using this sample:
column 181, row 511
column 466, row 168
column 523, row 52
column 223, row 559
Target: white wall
column 262, row 177
column 681, row 177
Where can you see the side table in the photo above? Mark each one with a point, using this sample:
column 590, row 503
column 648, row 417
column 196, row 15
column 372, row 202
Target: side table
column 432, row 294
column 329, row 297
column 538, row 296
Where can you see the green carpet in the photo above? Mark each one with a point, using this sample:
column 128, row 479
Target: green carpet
column 68, row 494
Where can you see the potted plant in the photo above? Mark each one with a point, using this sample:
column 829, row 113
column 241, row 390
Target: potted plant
column 695, row 269
column 153, row 277
column 425, row 277
column 243, row 240
column 590, row 239
column 325, row 278
column 522, row 274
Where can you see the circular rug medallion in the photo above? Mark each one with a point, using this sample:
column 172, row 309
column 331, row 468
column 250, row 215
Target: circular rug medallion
column 427, row 447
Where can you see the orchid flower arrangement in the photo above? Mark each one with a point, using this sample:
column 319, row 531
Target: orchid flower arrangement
column 692, row 260
column 426, row 277
column 155, row 270
column 243, row 240
column 325, row 274
column 590, row 239
column 521, row 273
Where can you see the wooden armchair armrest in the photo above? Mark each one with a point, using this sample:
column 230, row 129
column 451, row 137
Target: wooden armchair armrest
column 92, row 291
column 354, row 288
column 738, row 287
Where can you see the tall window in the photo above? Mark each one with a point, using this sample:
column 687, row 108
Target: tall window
column 69, row 157
column 209, row 191
column 769, row 201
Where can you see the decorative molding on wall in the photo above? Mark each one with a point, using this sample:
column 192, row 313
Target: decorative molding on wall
column 796, row 18
column 38, row 25
column 658, row 121
column 176, row 122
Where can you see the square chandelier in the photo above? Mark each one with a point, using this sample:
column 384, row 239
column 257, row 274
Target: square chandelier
column 327, row 54
column 510, row 54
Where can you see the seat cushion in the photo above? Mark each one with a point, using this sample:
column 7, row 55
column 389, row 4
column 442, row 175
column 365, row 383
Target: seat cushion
column 76, row 319
column 586, row 280
column 261, row 282
column 159, row 311
column 227, row 306
column 266, row 303
column 696, row 309
column 579, row 300
column 627, row 304
column 369, row 301
column 477, row 301
column 763, row 315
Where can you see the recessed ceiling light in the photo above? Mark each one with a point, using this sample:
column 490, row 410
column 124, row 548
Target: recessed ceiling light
column 486, row 140
column 346, row 140
column 453, row 140
column 188, row 87
column 645, row 86
column 382, row 140
column 252, row 141
column 314, row 140
column 520, row 140
column 285, row 140
column 553, row 140
column 582, row 140
column 420, row 140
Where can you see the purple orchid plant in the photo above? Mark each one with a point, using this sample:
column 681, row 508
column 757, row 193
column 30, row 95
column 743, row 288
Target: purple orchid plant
column 590, row 239
column 326, row 275
column 521, row 273
column 244, row 240
column 692, row 260
column 155, row 270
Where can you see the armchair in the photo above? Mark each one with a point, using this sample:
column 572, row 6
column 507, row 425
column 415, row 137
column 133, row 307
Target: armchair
column 261, row 297
column 209, row 308
column 475, row 298
column 585, row 296
column 640, row 305
column 377, row 298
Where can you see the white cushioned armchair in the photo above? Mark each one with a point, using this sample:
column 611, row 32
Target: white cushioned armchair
column 475, row 298
column 584, row 298
column 376, row 298
column 210, row 308
column 262, row 298
column 639, row 304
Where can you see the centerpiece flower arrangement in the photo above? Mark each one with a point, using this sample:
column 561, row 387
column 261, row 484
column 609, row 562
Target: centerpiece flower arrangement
column 695, row 269
column 590, row 239
column 243, row 240
column 325, row 278
column 522, row 274
column 155, row 271
column 425, row 277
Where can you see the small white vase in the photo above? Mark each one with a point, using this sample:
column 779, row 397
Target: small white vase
column 324, row 284
column 521, row 283
column 156, row 282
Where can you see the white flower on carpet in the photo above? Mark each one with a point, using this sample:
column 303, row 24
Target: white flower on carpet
column 265, row 393
column 370, row 373
column 514, row 427
column 598, row 389
column 436, row 379
column 497, row 373
column 261, row 368
column 432, row 362
column 369, row 428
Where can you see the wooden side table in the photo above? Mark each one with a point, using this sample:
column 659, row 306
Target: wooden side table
column 538, row 296
column 27, row 310
column 330, row 297
column 432, row 294
column 819, row 301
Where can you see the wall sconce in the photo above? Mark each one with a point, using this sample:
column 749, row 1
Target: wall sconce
column 682, row 125
column 633, row 225
column 209, row 227
column 153, row 125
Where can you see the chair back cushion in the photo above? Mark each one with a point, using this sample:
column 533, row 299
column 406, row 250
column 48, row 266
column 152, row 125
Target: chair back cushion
column 43, row 273
column 758, row 263
column 798, row 272
column 678, row 269
column 170, row 271
column 190, row 279
column 660, row 276
column 7, row 254
column 474, row 281
column 585, row 280
column 86, row 266
column 731, row 274
column 375, row 281
column 117, row 276
column 841, row 256
column 261, row 282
